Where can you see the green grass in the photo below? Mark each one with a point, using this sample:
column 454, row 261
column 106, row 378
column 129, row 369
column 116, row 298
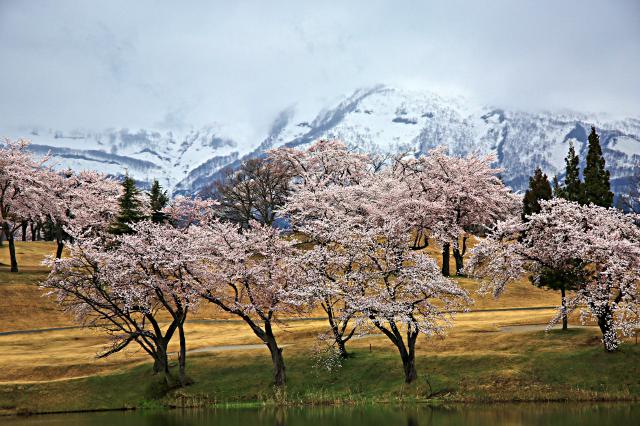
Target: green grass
column 533, row 367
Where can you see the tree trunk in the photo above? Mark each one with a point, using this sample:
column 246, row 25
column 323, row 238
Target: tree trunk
column 161, row 362
column 337, row 334
column 182, row 357
column 604, row 322
column 24, row 231
column 33, row 231
column 60, row 242
column 12, row 252
column 458, row 255
column 342, row 349
column 408, row 357
column 417, row 241
column 459, row 262
column 409, row 366
column 565, row 323
column 445, row 259
column 59, row 249
column 279, row 377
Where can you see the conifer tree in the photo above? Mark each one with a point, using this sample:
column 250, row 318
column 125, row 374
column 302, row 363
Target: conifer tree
column 130, row 208
column 597, row 189
column 158, row 200
column 556, row 188
column 539, row 189
column 572, row 189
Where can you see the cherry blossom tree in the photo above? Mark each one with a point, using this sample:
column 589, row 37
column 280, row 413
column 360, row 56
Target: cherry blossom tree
column 598, row 248
column 253, row 276
column 91, row 200
column 183, row 212
column 358, row 218
column 325, row 204
column 126, row 285
column 460, row 196
column 24, row 191
column 326, row 268
column 401, row 290
column 325, row 188
column 85, row 203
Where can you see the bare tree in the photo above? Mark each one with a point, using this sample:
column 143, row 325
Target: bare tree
column 255, row 191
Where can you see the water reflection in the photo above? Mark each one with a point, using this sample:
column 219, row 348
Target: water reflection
column 414, row 415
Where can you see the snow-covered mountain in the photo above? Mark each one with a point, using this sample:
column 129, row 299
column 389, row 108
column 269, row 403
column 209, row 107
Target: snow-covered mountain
column 380, row 119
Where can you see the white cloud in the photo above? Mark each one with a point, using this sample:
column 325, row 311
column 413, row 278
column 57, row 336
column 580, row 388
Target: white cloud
column 122, row 63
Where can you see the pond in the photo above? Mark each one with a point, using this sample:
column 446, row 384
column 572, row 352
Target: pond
column 371, row 415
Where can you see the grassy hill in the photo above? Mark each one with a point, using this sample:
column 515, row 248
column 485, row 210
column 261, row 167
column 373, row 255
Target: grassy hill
column 484, row 358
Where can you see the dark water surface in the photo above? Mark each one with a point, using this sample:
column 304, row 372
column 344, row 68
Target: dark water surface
column 620, row 414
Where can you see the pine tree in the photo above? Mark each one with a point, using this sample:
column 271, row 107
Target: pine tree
column 572, row 189
column 158, row 200
column 597, row 189
column 539, row 189
column 556, row 188
column 130, row 208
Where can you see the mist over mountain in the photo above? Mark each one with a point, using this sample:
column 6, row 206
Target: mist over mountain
column 378, row 119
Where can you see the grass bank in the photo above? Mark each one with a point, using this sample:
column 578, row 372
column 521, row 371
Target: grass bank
column 531, row 366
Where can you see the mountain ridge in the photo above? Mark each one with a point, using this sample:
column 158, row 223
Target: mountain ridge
column 374, row 119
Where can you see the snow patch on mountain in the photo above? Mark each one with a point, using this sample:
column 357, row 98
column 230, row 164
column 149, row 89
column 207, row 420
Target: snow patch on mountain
column 376, row 119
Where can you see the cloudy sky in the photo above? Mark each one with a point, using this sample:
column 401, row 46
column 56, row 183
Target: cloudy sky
column 86, row 64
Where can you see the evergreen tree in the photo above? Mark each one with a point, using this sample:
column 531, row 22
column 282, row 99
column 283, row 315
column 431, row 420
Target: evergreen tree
column 597, row 189
column 539, row 189
column 158, row 200
column 556, row 189
column 572, row 189
column 130, row 208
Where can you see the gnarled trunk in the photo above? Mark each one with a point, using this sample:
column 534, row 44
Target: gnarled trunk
column 409, row 355
column 279, row 376
column 408, row 351
column 445, row 259
column 161, row 361
column 409, row 367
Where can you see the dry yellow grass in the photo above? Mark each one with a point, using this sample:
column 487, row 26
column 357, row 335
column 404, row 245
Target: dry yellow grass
column 64, row 354
column 22, row 303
